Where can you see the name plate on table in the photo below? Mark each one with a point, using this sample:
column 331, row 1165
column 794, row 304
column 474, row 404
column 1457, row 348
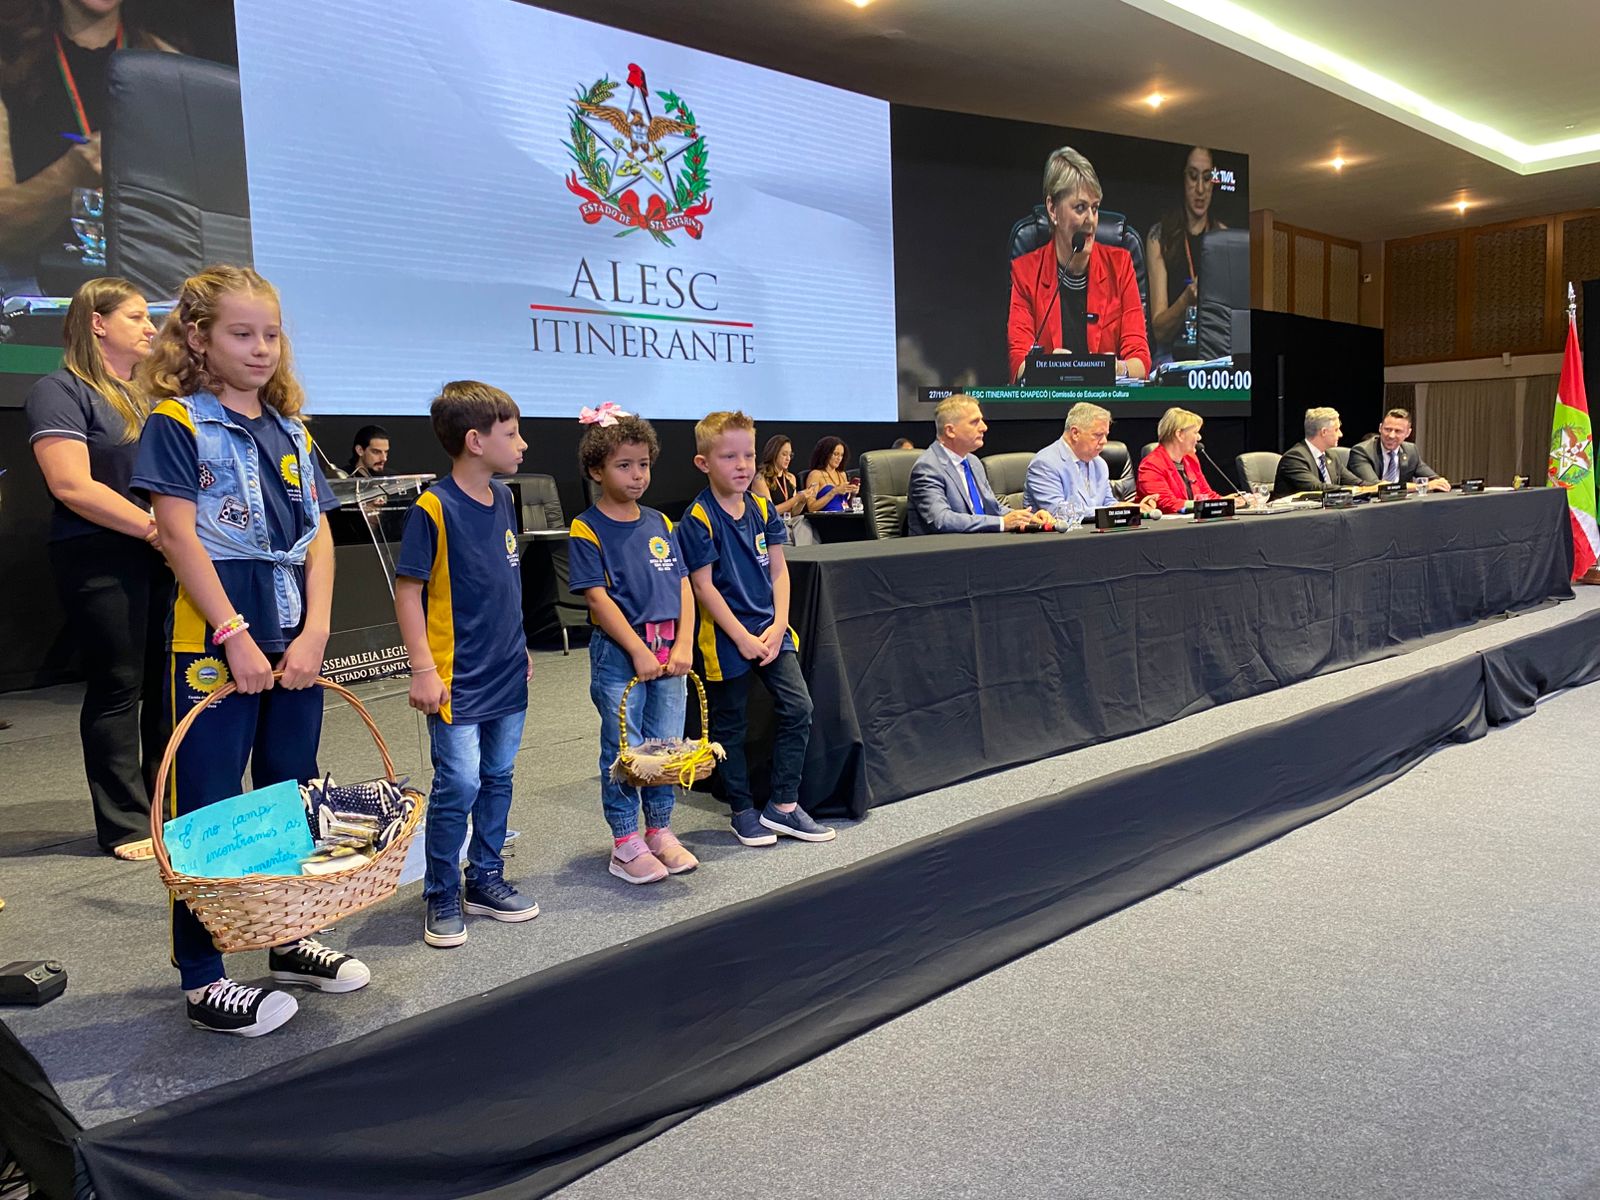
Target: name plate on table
column 1071, row 370
column 1470, row 486
column 1121, row 517
column 1211, row 510
column 1391, row 491
column 1338, row 498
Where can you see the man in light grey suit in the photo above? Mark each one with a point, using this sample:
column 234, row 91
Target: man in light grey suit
column 949, row 489
column 1390, row 458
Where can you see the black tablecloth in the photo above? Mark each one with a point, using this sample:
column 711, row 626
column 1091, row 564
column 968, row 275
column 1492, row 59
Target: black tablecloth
column 935, row 659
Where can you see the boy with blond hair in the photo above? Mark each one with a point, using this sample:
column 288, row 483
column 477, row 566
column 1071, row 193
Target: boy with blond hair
column 733, row 546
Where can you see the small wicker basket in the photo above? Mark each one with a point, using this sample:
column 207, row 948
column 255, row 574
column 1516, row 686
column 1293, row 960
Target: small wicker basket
column 256, row 911
column 665, row 761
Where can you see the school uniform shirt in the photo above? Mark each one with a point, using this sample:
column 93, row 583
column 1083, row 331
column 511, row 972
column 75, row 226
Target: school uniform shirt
column 168, row 465
column 62, row 405
column 737, row 551
column 466, row 553
column 638, row 562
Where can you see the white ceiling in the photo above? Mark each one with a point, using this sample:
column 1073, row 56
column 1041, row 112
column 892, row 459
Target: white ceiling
column 1087, row 63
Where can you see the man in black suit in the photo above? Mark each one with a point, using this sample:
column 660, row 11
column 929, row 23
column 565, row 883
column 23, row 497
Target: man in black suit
column 1390, row 458
column 1307, row 466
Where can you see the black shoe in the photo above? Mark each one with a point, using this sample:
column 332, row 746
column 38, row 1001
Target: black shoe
column 226, row 1007
column 309, row 963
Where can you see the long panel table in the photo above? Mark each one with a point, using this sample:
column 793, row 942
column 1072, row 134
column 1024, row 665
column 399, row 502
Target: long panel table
column 936, row 659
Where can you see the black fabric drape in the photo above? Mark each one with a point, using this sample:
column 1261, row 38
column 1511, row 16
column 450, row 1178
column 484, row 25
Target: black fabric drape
column 936, row 659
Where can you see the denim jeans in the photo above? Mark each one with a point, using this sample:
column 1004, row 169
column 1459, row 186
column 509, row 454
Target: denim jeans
column 791, row 704
column 471, row 777
column 655, row 710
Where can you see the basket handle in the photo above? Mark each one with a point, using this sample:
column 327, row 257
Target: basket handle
column 189, row 718
column 705, row 712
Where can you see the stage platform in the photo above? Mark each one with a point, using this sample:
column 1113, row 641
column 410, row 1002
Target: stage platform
column 117, row 1044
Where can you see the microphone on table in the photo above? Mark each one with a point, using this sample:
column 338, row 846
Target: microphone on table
column 1079, row 240
column 1200, row 445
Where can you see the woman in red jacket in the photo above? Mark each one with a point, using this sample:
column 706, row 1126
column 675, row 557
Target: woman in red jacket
column 1084, row 300
column 1171, row 472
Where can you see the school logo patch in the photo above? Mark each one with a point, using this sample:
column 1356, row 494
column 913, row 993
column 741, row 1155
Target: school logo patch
column 659, row 549
column 234, row 513
column 761, row 544
column 289, row 468
column 207, row 479
column 206, row 675
column 511, row 542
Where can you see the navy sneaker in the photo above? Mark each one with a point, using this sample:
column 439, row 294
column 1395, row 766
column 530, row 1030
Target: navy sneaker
column 796, row 823
column 445, row 926
column 747, row 827
column 311, row 964
column 492, row 896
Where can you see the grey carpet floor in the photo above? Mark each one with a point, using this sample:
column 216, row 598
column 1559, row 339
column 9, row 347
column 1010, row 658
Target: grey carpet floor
column 117, row 1042
column 1399, row 1000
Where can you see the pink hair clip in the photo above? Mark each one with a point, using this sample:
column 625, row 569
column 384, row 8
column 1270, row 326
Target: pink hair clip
column 606, row 414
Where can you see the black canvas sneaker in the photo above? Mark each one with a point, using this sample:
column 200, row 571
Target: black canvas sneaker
column 226, row 1007
column 308, row 963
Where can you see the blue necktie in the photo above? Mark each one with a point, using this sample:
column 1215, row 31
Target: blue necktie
column 1391, row 473
column 1088, row 494
column 973, row 493
column 1322, row 467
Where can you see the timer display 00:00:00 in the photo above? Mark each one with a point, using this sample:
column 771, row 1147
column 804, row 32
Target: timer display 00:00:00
column 1218, row 380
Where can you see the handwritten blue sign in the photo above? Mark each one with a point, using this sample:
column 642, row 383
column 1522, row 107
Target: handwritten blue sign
column 263, row 832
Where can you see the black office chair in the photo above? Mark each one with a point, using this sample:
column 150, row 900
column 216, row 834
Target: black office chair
column 546, row 569
column 176, row 196
column 1008, row 476
column 1146, row 450
column 1258, row 467
column 885, row 485
column 1223, row 290
column 1033, row 231
column 1120, row 468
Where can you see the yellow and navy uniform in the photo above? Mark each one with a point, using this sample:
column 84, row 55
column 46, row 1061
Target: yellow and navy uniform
column 466, row 555
column 738, row 551
column 639, row 563
column 277, row 732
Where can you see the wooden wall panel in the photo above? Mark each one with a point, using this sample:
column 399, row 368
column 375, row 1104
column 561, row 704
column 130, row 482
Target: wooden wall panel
column 1420, row 316
column 1280, row 270
column 1307, row 288
column 1580, row 260
column 1344, row 283
column 1508, row 290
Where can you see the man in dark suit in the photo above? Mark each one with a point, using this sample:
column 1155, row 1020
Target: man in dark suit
column 1390, row 458
column 1308, row 466
column 949, row 489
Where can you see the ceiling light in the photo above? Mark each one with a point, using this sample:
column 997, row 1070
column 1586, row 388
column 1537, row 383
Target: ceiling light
column 1236, row 27
column 1155, row 99
column 1337, row 164
column 1461, row 207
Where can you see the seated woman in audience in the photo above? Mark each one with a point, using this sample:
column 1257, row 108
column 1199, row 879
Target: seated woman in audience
column 831, row 488
column 1171, row 472
column 776, row 482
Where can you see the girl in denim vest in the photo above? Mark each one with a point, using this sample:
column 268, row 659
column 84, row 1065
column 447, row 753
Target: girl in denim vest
column 239, row 502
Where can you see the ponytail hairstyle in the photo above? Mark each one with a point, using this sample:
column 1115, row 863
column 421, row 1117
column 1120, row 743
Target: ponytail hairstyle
column 174, row 369
column 84, row 360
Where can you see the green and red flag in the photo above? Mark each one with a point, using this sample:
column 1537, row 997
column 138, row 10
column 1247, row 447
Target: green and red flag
column 1572, row 453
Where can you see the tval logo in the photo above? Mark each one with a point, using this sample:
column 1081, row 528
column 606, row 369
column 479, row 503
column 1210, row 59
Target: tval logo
column 630, row 150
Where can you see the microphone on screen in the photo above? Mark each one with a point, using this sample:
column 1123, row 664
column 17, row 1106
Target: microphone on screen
column 1079, row 240
column 1200, row 445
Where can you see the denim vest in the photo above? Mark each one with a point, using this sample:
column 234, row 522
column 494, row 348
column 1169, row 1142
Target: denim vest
column 231, row 512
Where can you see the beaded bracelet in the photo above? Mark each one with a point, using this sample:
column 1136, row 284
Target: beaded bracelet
column 235, row 624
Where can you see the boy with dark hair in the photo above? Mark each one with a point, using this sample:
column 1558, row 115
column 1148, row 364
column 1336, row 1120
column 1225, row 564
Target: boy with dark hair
column 733, row 546
column 458, row 599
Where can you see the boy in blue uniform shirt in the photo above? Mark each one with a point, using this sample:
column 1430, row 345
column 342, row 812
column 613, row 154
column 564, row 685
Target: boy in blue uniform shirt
column 458, row 600
column 733, row 546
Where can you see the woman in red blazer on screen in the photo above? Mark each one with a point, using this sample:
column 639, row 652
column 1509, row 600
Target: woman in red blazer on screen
column 1084, row 300
column 1171, row 472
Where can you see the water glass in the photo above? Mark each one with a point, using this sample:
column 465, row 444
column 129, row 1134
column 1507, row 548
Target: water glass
column 1263, row 493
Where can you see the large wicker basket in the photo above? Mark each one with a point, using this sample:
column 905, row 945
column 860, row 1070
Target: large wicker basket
column 672, row 761
column 257, row 911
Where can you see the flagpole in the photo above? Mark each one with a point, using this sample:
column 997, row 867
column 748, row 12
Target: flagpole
column 1572, row 303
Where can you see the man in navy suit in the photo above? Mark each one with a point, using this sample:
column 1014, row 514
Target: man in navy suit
column 1390, row 458
column 949, row 490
